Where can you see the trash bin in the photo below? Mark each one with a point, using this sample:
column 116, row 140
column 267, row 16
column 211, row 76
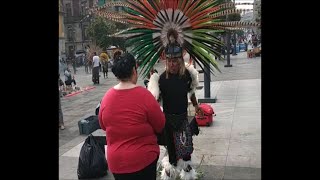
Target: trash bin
column 88, row 125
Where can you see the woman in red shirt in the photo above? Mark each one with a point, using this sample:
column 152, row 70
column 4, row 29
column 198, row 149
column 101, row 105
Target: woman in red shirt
column 131, row 117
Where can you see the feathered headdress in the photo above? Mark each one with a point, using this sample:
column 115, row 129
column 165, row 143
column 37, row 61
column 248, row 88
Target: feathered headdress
column 192, row 21
column 91, row 49
column 104, row 57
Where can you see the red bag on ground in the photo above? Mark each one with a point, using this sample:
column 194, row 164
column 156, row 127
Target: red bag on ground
column 207, row 118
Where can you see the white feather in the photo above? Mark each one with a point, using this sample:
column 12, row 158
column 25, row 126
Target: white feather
column 191, row 175
column 169, row 168
column 188, row 39
column 180, row 165
column 164, row 175
column 182, row 19
column 186, row 57
column 180, row 15
column 155, row 35
column 153, row 85
column 175, row 14
column 169, row 12
column 186, row 24
column 157, row 23
column 159, row 16
column 171, row 25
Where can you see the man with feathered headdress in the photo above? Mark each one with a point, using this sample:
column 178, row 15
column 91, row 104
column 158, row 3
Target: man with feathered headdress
column 173, row 87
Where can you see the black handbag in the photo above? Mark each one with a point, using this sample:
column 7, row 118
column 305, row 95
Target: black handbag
column 194, row 126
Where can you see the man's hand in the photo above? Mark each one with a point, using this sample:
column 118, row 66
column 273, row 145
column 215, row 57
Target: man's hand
column 198, row 110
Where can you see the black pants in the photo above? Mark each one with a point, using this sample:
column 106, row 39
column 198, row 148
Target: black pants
column 148, row 173
column 105, row 71
column 69, row 82
column 86, row 68
column 95, row 75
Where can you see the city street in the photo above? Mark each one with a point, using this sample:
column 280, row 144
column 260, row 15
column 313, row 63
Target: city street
column 229, row 149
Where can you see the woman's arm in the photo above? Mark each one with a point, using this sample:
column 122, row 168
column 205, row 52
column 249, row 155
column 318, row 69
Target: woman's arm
column 154, row 114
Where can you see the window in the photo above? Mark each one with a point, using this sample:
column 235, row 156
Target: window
column 86, row 36
column 68, row 10
column 70, row 34
column 83, row 9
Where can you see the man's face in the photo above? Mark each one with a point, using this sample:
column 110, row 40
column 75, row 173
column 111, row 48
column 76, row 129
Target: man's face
column 173, row 64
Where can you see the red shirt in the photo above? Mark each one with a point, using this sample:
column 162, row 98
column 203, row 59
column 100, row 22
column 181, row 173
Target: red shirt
column 131, row 117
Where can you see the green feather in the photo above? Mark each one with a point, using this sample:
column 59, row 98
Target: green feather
column 145, row 55
column 197, row 56
column 131, row 11
column 143, row 52
column 145, row 31
column 204, row 56
column 138, row 38
column 146, row 59
column 151, row 63
column 207, row 58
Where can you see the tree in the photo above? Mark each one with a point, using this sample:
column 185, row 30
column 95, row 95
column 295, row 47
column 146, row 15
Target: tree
column 234, row 17
column 100, row 31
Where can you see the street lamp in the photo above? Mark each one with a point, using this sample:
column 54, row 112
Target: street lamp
column 234, row 39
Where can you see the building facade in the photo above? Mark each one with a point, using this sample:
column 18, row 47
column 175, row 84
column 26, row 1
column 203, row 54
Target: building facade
column 62, row 49
column 257, row 15
column 247, row 17
column 76, row 23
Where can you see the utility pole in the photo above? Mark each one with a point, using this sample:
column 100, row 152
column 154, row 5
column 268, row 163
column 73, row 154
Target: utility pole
column 234, row 39
column 234, row 52
column 228, row 45
column 228, row 50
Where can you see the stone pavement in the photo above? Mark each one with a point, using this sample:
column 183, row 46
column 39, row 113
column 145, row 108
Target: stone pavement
column 229, row 149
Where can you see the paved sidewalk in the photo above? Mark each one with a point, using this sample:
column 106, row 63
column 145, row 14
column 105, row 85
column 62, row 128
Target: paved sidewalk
column 229, row 149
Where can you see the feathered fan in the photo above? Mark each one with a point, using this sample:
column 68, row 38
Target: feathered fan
column 93, row 48
column 193, row 20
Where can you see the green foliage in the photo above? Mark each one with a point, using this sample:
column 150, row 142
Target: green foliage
column 240, row 32
column 234, row 17
column 100, row 29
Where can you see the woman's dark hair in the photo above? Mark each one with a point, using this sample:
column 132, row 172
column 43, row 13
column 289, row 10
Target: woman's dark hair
column 123, row 66
column 116, row 55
